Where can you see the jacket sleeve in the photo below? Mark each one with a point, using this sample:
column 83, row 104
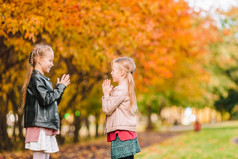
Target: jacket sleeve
column 110, row 103
column 63, row 87
column 44, row 95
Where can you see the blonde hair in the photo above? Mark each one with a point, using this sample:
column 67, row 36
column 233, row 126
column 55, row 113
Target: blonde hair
column 38, row 51
column 127, row 64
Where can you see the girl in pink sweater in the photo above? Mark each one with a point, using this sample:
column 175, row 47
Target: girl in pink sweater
column 119, row 105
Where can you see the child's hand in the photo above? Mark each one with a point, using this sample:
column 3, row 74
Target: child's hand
column 65, row 80
column 107, row 87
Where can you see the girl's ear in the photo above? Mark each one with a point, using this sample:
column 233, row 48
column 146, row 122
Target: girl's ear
column 122, row 72
column 39, row 60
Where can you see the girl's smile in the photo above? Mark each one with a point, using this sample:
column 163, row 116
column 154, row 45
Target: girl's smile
column 46, row 62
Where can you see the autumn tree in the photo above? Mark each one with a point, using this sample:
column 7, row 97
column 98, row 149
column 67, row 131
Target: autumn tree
column 223, row 65
column 161, row 36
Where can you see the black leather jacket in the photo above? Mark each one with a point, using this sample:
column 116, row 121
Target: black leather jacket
column 41, row 102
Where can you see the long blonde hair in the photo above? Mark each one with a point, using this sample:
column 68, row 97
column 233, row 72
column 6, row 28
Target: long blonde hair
column 127, row 64
column 38, row 51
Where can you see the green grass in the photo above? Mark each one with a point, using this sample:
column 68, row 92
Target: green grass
column 210, row 143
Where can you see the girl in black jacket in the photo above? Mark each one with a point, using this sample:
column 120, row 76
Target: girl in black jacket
column 40, row 100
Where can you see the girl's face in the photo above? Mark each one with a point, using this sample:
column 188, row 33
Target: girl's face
column 116, row 73
column 47, row 62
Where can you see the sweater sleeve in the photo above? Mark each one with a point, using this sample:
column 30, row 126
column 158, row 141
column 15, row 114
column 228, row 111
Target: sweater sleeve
column 110, row 103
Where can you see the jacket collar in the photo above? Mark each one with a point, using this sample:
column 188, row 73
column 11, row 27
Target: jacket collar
column 38, row 72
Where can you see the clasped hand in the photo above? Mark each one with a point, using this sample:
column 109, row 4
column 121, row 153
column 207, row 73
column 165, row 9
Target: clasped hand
column 107, row 87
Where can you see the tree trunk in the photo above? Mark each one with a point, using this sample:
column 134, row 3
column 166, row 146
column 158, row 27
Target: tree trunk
column 14, row 128
column 87, row 123
column 149, row 122
column 5, row 141
column 20, row 128
column 18, row 123
column 77, row 125
column 97, row 115
column 160, row 108
column 1, row 126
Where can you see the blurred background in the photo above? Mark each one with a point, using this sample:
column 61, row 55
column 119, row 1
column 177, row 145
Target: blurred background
column 186, row 53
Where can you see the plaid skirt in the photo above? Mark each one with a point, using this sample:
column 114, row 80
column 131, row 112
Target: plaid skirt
column 120, row 149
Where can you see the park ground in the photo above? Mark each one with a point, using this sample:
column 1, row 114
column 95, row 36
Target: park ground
column 214, row 141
